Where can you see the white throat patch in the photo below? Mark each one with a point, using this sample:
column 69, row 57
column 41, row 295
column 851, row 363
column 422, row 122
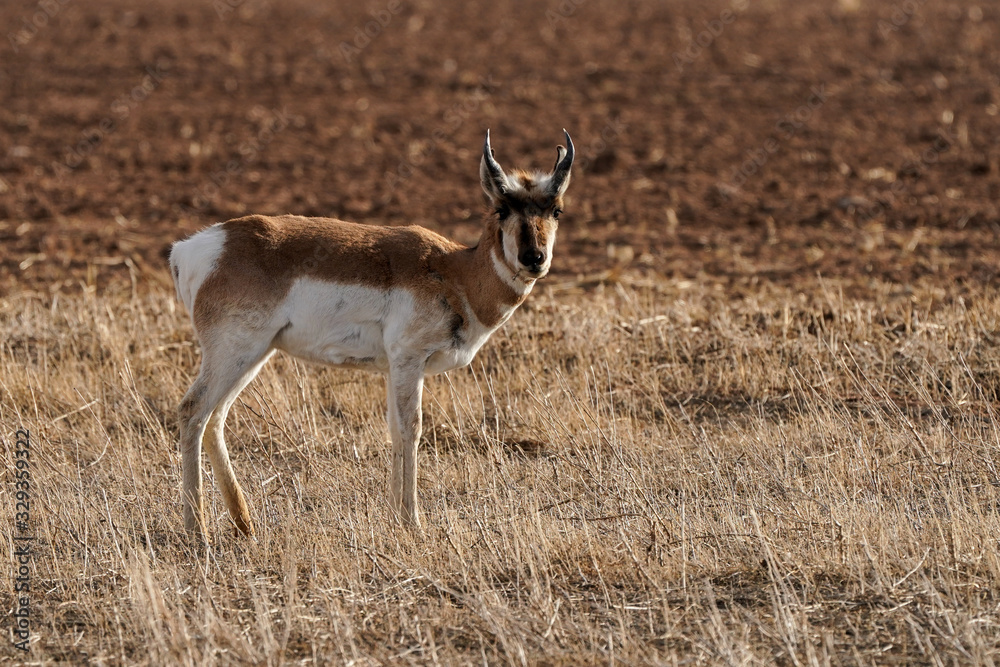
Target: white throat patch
column 518, row 284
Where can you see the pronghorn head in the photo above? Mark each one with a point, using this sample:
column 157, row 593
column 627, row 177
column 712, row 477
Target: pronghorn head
column 527, row 206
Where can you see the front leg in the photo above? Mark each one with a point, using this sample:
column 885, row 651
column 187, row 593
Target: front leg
column 406, row 384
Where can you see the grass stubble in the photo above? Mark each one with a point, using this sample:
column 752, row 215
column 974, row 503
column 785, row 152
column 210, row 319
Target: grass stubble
column 639, row 472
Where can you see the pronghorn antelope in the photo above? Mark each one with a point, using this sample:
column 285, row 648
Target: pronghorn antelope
column 397, row 300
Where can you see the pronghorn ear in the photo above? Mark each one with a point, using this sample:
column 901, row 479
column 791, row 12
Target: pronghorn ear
column 491, row 175
column 560, row 173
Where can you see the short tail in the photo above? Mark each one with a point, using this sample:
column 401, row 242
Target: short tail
column 175, row 273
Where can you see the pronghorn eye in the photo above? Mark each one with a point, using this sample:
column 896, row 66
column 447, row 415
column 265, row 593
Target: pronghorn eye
column 555, row 213
column 503, row 212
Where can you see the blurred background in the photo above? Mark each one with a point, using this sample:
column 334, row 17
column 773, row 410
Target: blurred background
column 726, row 141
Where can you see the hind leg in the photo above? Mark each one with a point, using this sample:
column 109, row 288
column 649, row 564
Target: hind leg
column 191, row 435
column 218, row 453
column 223, row 375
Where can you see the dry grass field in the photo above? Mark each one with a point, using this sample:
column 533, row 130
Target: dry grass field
column 749, row 419
column 635, row 473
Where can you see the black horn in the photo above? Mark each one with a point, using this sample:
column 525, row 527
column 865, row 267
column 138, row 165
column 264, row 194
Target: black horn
column 560, row 175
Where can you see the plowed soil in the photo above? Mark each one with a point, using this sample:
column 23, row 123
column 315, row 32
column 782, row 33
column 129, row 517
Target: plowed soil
column 733, row 143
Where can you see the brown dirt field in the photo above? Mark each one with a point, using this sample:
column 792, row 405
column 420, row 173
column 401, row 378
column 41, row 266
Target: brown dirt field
column 749, row 419
column 877, row 128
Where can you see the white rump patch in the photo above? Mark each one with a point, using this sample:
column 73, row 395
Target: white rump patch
column 193, row 260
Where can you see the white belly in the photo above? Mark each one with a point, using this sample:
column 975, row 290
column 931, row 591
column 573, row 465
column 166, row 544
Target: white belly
column 343, row 325
column 362, row 327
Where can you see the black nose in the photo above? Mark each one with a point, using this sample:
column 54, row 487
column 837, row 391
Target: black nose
column 532, row 258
